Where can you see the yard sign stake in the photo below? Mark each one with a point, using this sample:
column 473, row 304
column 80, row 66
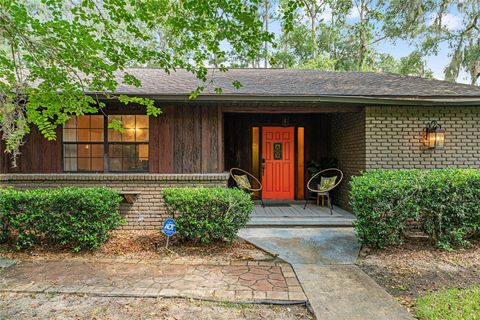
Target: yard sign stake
column 169, row 228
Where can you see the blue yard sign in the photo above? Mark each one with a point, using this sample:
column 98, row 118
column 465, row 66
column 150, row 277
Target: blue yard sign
column 169, row 227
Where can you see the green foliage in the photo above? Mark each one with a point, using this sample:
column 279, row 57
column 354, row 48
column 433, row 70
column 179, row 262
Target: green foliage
column 434, row 24
column 319, row 63
column 208, row 214
column 343, row 35
column 446, row 202
column 450, row 304
column 77, row 218
column 54, row 52
column 413, row 65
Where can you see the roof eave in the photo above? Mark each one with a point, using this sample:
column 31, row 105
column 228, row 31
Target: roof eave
column 366, row 100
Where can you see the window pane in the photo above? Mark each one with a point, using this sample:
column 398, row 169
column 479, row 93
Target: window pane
column 96, row 122
column 255, row 155
column 97, row 150
column 84, row 164
column 70, row 135
column 129, row 135
column 114, row 135
column 128, row 122
column 129, row 164
column 129, row 151
column 70, row 150
column 142, row 122
column 143, row 151
column 114, row 117
column 124, row 153
column 83, row 135
column 83, row 150
column 301, row 162
column 83, row 122
column 142, row 134
column 72, row 123
column 70, row 164
column 97, row 164
column 115, row 150
column 144, row 163
column 115, row 164
column 96, row 135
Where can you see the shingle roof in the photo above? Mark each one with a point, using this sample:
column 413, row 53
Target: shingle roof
column 289, row 82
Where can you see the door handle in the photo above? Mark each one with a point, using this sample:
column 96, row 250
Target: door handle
column 263, row 167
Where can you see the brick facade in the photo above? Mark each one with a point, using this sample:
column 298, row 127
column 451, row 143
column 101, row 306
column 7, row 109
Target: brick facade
column 394, row 137
column 348, row 147
column 391, row 137
column 147, row 212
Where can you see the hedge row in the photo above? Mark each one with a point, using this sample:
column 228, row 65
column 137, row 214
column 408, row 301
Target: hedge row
column 446, row 203
column 208, row 214
column 77, row 218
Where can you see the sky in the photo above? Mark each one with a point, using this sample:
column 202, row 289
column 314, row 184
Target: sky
column 401, row 48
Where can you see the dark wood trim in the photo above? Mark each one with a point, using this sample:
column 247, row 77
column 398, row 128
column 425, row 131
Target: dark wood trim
column 291, row 109
column 220, row 139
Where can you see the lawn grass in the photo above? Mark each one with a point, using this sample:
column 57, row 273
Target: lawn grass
column 450, row 304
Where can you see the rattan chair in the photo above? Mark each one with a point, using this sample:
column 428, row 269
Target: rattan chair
column 237, row 173
column 327, row 173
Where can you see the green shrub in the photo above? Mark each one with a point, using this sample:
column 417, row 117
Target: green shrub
column 207, row 214
column 446, row 203
column 77, row 218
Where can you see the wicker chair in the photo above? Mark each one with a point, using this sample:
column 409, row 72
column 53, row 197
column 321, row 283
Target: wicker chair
column 244, row 179
column 317, row 189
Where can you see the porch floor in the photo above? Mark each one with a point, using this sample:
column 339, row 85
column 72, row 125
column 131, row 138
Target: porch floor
column 291, row 213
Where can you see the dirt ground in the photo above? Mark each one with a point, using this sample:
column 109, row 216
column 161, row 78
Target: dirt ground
column 417, row 267
column 145, row 244
column 45, row 306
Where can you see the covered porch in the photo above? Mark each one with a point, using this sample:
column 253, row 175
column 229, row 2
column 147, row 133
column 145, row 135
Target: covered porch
column 283, row 144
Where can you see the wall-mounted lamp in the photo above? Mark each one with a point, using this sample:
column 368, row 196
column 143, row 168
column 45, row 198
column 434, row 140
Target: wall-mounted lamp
column 434, row 136
column 285, row 121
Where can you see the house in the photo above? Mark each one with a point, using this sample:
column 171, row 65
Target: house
column 363, row 120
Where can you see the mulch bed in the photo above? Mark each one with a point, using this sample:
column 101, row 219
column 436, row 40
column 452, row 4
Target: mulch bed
column 145, row 244
column 417, row 267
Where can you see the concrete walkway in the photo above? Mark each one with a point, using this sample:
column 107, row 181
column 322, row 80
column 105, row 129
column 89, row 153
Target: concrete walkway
column 323, row 261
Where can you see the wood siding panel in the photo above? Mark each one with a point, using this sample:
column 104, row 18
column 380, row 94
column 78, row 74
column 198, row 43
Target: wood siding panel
column 187, row 147
column 211, row 140
column 38, row 155
column 189, row 139
column 161, row 142
column 154, row 145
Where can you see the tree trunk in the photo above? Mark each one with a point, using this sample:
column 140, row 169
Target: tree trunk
column 314, row 34
column 361, row 49
column 265, row 21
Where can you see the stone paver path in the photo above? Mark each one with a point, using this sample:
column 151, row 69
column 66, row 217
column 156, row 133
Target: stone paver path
column 323, row 261
column 237, row 281
column 5, row 263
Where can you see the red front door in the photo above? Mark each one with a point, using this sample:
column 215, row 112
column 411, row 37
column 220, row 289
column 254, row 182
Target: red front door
column 278, row 162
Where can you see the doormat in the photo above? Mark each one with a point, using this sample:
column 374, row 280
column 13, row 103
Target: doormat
column 276, row 205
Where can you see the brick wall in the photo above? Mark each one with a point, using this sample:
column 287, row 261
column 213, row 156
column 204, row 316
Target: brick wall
column 394, row 137
column 147, row 212
column 348, row 147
